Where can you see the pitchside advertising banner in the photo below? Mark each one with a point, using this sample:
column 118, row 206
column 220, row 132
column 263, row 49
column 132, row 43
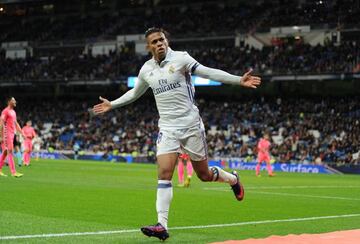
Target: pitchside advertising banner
column 283, row 167
column 280, row 167
column 233, row 164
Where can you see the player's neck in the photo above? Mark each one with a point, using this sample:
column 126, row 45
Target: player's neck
column 159, row 60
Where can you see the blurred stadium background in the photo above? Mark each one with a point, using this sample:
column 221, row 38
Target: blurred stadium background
column 57, row 57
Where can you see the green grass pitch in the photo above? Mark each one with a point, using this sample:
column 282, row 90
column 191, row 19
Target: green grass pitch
column 66, row 196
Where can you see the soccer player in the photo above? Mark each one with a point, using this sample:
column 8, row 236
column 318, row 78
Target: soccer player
column 8, row 125
column 168, row 74
column 182, row 160
column 29, row 135
column 264, row 154
column 37, row 145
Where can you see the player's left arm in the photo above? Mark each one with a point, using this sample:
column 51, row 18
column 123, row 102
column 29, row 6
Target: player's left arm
column 18, row 128
column 247, row 80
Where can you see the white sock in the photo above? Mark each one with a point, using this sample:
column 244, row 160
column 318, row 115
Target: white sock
column 163, row 200
column 223, row 176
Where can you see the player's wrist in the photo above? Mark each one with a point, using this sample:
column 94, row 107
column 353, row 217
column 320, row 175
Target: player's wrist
column 112, row 105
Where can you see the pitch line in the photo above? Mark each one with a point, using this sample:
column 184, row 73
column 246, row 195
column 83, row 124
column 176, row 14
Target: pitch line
column 305, row 195
column 285, row 187
column 289, row 194
column 178, row 228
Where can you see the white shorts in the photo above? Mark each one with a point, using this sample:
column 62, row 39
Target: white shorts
column 189, row 140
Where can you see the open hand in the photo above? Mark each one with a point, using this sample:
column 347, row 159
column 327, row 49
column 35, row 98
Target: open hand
column 250, row 81
column 103, row 107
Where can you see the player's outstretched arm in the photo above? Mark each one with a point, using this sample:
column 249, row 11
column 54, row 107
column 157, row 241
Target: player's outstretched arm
column 247, row 80
column 130, row 96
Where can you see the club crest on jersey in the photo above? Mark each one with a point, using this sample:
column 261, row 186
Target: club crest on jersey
column 171, row 69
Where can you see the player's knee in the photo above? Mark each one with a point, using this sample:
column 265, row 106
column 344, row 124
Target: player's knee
column 205, row 177
column 165, row 175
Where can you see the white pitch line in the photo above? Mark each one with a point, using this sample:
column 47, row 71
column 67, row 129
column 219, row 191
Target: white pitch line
column 179, row 228
column 289, row 194
column 305, row 195
column 286, row 187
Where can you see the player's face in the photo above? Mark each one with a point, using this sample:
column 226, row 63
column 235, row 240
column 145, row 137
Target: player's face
column 157, row 44
column 28, row 123
column 266, row 136
column 12, row 102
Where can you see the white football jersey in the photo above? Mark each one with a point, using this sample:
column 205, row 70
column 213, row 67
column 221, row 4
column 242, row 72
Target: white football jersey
column 174, row 92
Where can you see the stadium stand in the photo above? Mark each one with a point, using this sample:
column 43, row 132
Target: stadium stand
column 285, row 59
column 311, row 130
column 307, row 130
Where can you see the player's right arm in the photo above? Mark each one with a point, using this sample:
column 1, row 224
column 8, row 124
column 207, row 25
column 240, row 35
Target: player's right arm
column 130, row 96
column 1, row 128
column 2, row 121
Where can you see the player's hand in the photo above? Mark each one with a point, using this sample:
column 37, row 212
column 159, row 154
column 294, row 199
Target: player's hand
column 102, row 107
column 250, row 81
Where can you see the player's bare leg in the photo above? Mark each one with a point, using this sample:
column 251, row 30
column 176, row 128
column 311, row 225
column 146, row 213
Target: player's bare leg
column 166, row 167
column 217, row 174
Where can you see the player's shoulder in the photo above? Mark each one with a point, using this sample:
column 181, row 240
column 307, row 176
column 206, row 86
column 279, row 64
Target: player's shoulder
column 147, row 66
column 180, row 54
column 5, row 110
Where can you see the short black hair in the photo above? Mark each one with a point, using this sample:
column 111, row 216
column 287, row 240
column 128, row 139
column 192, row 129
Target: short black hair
column 8, row 98
column 151, row 30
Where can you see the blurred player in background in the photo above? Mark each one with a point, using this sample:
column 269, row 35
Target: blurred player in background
column 37, row 142
column 29, row 135
column 264, row 154
column 184, row 159
column 168, row 74
column 17, row 149
column 8, row 125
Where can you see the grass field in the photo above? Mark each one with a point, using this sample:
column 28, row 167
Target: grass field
column 83, row 196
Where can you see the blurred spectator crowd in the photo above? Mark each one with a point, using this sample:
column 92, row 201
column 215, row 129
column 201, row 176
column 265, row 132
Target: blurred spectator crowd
column 309, row 131
column 179, row 17
column 295, row 58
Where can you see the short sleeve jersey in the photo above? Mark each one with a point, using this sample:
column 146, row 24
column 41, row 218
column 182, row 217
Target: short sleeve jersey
column 8, row 115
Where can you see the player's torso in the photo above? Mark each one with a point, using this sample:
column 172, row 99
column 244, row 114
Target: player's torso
column 264, row 144
column 28, row 131
column 173, row 91
column 10, row 119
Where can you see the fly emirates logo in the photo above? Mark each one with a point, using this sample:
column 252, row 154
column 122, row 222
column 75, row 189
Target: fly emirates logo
column 165, row 86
